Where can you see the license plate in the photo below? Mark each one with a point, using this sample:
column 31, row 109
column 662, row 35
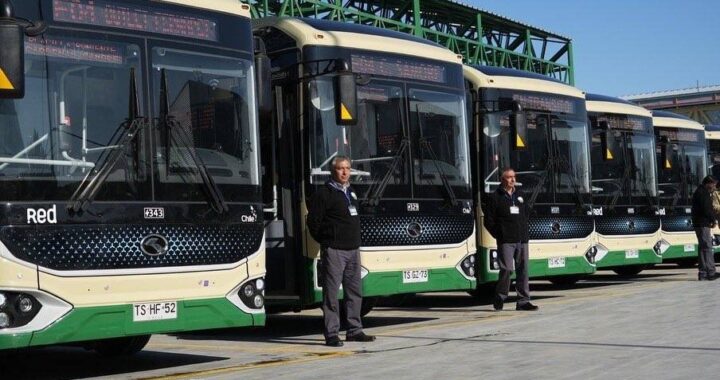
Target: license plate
column 556, row 262
column 632, row 254
column 154, row 311
column 419, row 275
column 689, row 247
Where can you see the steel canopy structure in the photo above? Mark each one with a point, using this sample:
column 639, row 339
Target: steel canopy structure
column 481, row 37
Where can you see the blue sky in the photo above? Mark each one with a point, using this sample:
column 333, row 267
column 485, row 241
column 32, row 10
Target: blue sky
column 624, row 47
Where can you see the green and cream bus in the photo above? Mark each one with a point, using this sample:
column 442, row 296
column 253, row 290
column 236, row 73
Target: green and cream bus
column 682, row 164
column 624, row 185
column 129, row 171
column 537, row 126
column 712, row 138
column 395, row 105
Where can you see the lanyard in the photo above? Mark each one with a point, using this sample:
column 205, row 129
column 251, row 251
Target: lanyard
column 344, row 191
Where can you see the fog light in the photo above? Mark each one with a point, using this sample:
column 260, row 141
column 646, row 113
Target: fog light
column 493, row 253
column 248, row 290
column 258, row 301
column 472, row 259
column 260, row 284
column 4, row 320
column 2, row 299
column 466, row 263
column 25, row 304
column 471, row 271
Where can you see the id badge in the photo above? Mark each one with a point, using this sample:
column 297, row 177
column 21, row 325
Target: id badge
column 514, row 209
column 353, row 210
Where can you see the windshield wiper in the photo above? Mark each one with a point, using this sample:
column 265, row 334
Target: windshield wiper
column 167, row 125
column 555, row 163
column 375, row 194
column 128, row 130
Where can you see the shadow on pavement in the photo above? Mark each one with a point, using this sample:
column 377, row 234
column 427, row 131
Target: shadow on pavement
column 62, row 362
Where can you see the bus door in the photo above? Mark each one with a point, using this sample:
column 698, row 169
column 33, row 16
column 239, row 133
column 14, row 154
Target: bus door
column 280, row 157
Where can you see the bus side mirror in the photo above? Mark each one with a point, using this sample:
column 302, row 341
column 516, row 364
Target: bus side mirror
column 345, row 95
column 263, row 83
column 605, row 138
column 665, row 150
column 12, row 61
column 518, row 127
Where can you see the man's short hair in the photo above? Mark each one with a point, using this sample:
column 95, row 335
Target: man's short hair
column 709, row 179
column 339, row 158
column 505, row 170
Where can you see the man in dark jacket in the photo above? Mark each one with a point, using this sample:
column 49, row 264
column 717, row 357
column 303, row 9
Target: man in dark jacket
column 333, row 222
column 703, row 218
column 506, row 218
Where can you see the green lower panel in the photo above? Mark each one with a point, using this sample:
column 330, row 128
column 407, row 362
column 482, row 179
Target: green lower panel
column 678, row 252
column 389, row 283
column 102, row 322
column 618, row 259
column 537, row 268
column 379, row 284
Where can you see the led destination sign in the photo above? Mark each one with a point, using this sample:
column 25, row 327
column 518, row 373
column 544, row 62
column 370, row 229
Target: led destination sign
column 626, row 123
column 134, row 17
column 82, row 50
column 682, row 135
column 545, row 103
column 398, row 68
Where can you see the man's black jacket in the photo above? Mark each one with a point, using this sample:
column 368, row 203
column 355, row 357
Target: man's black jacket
column 329, row 220
column 702, row 210
column 504, row 226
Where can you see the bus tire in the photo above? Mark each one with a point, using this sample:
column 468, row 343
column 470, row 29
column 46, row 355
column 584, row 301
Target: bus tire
column 124, row 346
column 564, row 281
column 629, row 271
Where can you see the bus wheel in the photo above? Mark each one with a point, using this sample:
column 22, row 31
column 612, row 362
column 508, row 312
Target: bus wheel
column 564, row 281
column 629, row 271
column 124, row 346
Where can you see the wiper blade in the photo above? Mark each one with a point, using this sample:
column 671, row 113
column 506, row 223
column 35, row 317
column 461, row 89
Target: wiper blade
column 89, row 187
column 128, row 130
column 374, row 194
column 167, row 125
column 425, row 145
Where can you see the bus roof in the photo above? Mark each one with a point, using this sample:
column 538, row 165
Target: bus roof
column 233, row 7
column 670, row 119
column 712, row 132
column 609, row 104
column 502, row 78
column 313, row 32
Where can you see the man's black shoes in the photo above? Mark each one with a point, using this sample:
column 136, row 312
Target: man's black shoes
column 498, row 304
column 526, row 307
column 333, row 341
column 361, row 337
column 712, row 277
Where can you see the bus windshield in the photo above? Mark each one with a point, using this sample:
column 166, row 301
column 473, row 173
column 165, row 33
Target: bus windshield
column 411, row 138
column 687, row 165
column 76, row 108
column 630, row 171
column 554, row 168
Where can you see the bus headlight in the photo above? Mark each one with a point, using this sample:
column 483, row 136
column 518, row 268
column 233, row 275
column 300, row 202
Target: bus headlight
column 25, row 304
column 17, row 309
column 468, row 265
column 660, row 247
column 494, row 264
column 2, row 299
column 4, row 320
column 251, row 293
column 590, row 254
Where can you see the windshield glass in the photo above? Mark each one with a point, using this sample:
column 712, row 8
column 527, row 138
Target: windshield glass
column 555, row 162
column 384, row 144
column 687, row 164
column 209, row 98
column 714, row 157
column 631, row 169
column 77, row 97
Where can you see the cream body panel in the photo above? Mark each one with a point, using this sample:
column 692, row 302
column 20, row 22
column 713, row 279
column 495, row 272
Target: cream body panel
column 16, row 275
column 620, row 243
column 679, row 238
column 110, row 290
column 715, row 135
column 413, row 257
column 616, row 108
column 543, row 249
column 660, row 122
column 256, row 262
column 233, row 7
column 480, row 80
column 306, row 35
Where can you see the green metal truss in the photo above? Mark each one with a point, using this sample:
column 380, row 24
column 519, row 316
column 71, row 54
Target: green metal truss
column 480, row 37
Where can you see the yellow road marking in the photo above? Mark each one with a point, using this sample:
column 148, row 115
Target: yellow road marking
column 249, row 366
